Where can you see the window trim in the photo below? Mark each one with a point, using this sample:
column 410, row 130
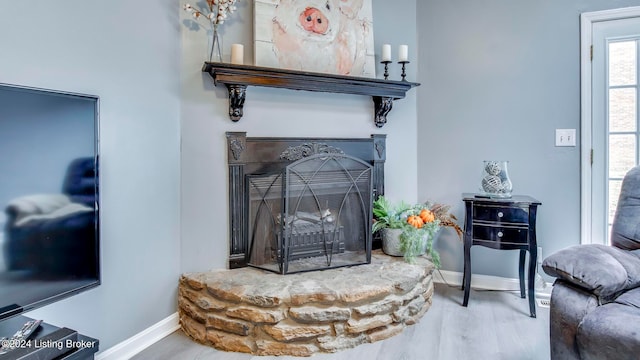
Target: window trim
column 587, row 20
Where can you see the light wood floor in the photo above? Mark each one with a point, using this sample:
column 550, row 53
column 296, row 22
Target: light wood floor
column 495, row 325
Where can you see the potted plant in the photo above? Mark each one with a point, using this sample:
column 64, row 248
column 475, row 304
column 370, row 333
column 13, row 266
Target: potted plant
column 408, row 230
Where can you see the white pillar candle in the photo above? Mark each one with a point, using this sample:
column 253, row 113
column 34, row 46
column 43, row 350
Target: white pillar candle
column 237, row 54
column 403, row 53
column 386, row 52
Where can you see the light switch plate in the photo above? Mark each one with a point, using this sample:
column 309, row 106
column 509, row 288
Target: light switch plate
column 565, row 137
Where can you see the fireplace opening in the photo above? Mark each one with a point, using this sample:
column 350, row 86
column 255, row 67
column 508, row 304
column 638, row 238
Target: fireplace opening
column 313, row 215
column 302, row 204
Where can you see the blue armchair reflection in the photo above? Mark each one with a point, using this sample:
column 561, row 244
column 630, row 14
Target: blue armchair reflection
column 53, row 235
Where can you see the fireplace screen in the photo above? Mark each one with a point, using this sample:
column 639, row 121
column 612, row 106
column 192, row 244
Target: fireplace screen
column 313, row 215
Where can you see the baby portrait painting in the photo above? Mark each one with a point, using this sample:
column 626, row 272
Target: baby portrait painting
column 327, row 36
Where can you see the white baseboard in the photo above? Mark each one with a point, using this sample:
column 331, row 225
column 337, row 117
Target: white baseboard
column 133, row 345
column 487, row 282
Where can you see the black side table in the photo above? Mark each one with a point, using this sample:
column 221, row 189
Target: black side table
column 503, row 224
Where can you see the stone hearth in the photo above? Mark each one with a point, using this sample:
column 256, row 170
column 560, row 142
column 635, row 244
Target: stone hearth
column 255, row 311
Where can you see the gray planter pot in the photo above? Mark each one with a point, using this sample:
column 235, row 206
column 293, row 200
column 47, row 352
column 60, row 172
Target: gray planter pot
column 391, row 242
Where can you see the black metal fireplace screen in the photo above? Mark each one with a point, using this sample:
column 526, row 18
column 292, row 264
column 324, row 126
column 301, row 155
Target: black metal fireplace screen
column 302, row 204
column 316, row 214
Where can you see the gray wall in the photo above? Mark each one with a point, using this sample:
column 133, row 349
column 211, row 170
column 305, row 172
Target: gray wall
column 127, row 55
column 498, row 78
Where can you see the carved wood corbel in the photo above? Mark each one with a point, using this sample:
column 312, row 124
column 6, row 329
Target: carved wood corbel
column 383, row 105
column 237, row 94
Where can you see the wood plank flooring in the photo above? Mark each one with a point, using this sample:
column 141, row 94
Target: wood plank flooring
column 495, row 326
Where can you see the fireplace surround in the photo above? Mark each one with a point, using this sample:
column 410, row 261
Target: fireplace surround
column 314, row 195
column 302, row 204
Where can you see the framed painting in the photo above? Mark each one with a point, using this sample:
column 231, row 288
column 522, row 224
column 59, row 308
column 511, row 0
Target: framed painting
column 327, row 36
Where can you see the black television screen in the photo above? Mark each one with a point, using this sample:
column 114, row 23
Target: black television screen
column 49, row 243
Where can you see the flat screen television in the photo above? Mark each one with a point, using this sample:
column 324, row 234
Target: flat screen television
column 49, row 243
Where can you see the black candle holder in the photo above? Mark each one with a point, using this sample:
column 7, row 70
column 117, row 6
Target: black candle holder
column 404, row 74
column 386, row 68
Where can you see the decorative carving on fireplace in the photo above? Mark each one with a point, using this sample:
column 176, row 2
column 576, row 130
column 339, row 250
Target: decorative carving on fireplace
column 379, row 148
column 294, row 153
column 236, row 146
column 314, row 225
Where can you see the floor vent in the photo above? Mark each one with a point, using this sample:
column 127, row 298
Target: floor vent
column 544, row 302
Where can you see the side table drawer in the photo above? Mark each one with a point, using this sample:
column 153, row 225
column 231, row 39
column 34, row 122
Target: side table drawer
column 501, row 234
column 501, row 214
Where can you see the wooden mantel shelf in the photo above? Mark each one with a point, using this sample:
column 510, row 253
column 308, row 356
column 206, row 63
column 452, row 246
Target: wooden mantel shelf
column 238, row 77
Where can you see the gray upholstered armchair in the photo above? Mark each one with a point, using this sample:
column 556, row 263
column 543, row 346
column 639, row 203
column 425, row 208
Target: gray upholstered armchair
column 595, row 302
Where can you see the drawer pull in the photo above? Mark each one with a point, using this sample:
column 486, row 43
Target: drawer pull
column 500, row 214
column 500, row 234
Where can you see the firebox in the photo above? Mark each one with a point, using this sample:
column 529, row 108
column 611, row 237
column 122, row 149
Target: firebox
column 315, row 214
column 302, row 204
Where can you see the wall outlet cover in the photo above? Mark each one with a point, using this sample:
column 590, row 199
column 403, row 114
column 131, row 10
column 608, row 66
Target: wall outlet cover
column 565, row 137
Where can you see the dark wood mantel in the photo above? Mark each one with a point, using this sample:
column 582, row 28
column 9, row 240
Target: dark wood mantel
column 238, row 77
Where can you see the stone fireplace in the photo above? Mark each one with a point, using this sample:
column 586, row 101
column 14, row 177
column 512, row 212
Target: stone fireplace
column 300, row 205
column 259, row 312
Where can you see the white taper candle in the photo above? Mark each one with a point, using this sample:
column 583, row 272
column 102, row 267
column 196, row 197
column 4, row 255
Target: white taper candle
column 403, row 53
column 386, row 52
column 237, row 54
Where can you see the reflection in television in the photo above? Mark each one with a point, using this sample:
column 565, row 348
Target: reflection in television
column 48, row 197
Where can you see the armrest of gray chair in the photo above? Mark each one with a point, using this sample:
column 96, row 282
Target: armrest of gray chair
column 603, row 270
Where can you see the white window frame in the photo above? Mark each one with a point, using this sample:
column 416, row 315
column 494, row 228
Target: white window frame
column 586, row 26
